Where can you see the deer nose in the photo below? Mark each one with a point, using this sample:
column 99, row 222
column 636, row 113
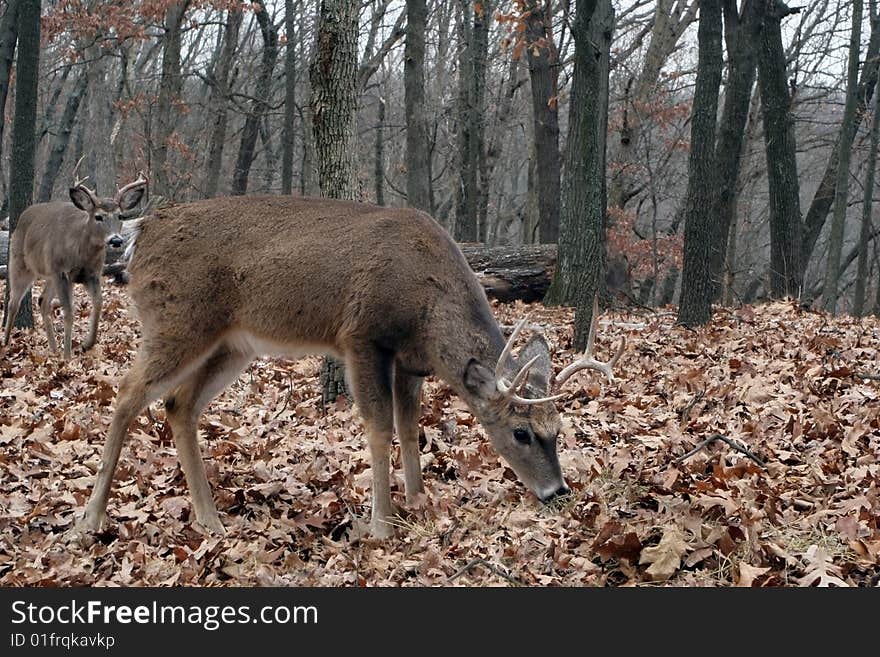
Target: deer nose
column 562, row 491
column 115, row 241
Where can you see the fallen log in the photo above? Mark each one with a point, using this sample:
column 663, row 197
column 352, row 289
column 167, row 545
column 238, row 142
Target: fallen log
column 507, row 273
column 510, row 273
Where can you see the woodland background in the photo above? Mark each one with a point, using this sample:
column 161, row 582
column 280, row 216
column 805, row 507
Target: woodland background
column 700, row 153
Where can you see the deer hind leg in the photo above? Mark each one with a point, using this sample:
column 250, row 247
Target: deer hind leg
column 183, row 407
column 160, row 364
column 46, row 312
column 369, row 371
column 19, row 284
column 93, row 285
column 407, row 407
column 64, row 289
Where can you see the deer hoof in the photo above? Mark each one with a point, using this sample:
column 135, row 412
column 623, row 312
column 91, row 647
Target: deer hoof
column 381, row 529
column 211, row 525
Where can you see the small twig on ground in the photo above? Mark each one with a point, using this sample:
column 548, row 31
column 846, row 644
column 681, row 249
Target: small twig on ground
column 866, row 375
column 686, row 410
column 731, row 443
column 482, row 562
column 286, row 397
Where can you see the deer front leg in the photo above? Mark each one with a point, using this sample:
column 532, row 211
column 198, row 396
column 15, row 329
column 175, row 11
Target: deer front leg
column 93, row 285
column 370, row 374
column 62, row 286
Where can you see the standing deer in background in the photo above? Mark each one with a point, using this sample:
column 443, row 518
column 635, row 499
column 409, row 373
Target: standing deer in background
column 218, row 282
column 64, row 243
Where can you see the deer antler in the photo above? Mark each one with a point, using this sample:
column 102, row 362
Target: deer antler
column 587, row 361
column 511, row 390
column 141, row 180
column 81, row 182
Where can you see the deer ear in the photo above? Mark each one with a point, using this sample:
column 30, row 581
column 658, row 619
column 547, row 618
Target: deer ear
column 82, row 199
column 480, row 380
column 131, row 197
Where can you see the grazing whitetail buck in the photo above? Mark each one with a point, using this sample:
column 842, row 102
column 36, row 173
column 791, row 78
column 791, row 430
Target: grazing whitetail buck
column 218, row 282
column 64, row 243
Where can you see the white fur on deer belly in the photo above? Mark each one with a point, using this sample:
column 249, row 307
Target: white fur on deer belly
column 246, row 342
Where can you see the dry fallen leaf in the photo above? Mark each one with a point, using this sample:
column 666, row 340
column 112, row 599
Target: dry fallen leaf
column 665, row 557
column 748, row 574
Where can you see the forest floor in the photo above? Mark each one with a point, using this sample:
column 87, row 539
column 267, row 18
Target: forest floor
column 797, row 389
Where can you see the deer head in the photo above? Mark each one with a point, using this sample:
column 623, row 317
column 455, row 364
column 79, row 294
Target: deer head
column 107, row 212
column 515, row 406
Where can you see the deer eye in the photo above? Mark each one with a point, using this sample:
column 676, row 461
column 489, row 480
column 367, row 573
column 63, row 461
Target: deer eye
column 99, row 217
column 522, row 436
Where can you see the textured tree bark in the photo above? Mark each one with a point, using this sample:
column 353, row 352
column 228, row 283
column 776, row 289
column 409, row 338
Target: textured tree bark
column 289, row 99
column 260, row 104
column 578, row 274
column 466, row 229
column 170, row 86
column 379, row 154
column 222, row 78
column 779, row 142
column 333, row 75
column 543, row 67
column 741, row 33
column 8, row 36
column 99, row 163
column 867, row 207
column 511, row 273
column 695, row 306
column 418, row 152
column 62, row 139
column 823, row 199
column 841, row 194
column 24, row 123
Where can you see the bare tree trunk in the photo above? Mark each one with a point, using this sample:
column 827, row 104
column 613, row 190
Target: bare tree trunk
column 823, row 199
column 466, row 229
column 695, row 306
column 867, row 207
column 8, row 36
column 741, row 34
column 334, row 81
column 779, row 142
column 24, row 124
column 222, row 78
column 289, row 99
column 543, row 67
column 100, row 162
column 62, row 138
column 418, row 153
column 847, row 135
column 260, row 104
column 379, row 155
column 582, row 230
column 170, row 87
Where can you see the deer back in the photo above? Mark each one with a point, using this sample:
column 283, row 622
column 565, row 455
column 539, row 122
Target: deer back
column 316, row 272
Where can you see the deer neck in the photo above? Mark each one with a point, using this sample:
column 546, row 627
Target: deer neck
column 479, row 339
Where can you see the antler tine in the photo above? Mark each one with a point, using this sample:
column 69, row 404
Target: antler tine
column 80, row 182
column 511, row 391
column 505, row 353
column 587, row 361
column 141, row 180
